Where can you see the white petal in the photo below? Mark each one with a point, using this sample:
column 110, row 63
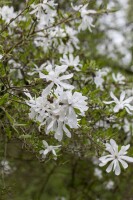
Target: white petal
column 61, row 69
column 114, row 145
column 114, row 97
column 41, row 75
column 67, row 131
column 108, row 102
column 45, row 143
column 128, row 111
column 117, row 168
column 65, row 77
column 124, row 150
column 128, row 100
column 59, row 131
column 124, row 164
column 109, row 148
column 122, row 96
column 127, row 158
column 116, row 108
column 51, row 124
column 67, row 86
column 47, row 90
column 110, row 167
column 45, row 152
column 106, row 159
column 102, row 164
column 53, row 151
column 128, row 106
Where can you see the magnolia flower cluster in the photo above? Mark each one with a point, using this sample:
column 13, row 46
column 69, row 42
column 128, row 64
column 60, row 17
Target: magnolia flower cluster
column 57, row 105
column 62, row 38
column 53, row 36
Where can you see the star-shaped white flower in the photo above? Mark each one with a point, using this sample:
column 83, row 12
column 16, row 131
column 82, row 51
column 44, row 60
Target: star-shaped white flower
column 71, row 61
column 121, row 104
column 115, row 157
column 118, row 78
column 48, row 148
column 55, row 77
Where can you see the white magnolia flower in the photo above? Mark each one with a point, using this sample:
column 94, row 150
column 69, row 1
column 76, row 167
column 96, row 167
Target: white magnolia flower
column 56, row 125
column 86, row 23
column 75, row 100
column 98, row 80
column 7, row 13
column 71, row 61
column 48, row 148
column 118, row 78
column 55, row 78
column 99, row 77
column 37, row 69
column 115, row 157
column 121, row 104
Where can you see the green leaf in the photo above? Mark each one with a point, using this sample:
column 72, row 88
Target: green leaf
column 4, row 99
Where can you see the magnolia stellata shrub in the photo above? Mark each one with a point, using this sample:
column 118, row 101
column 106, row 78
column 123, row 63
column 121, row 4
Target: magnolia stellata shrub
column 53, row 93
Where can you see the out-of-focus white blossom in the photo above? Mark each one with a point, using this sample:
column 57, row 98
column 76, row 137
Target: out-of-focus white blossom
column 128, row 126
column 5, row 167
column 98, row 173
column 86, row 24
column 71, row 61
column 15, row 68
column 99, row 77
column 121, row 104
column 48, row 149
column 109, row 185
column 118, row 78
